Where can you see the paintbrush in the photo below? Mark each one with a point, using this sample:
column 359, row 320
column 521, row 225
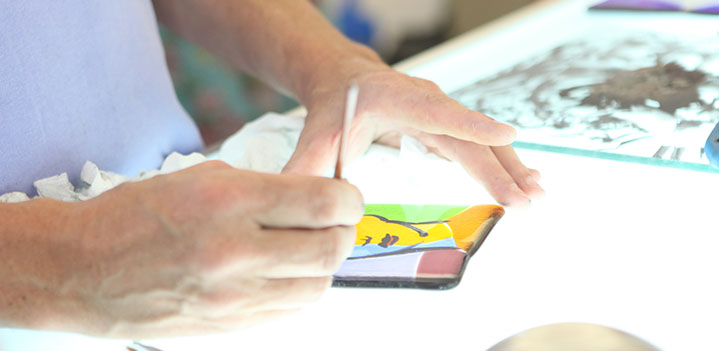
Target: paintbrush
column 350, row 110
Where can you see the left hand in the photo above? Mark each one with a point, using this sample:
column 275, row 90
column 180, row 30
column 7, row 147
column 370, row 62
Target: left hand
column 391, row 103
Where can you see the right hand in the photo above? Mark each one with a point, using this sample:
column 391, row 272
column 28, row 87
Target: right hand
column 206, row 249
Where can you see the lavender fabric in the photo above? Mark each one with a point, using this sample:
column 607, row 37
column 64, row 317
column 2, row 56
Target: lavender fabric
column 638, row 5
column 84, row 80
column 713, row 9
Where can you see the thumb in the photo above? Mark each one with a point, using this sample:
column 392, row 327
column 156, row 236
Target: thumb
column 316, row 149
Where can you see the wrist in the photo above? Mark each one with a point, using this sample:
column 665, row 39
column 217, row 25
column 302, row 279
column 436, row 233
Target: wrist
column 336, row 69
column 38, row 256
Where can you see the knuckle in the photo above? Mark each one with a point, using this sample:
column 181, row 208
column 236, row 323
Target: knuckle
column 325, row 200
column 434, row 98
column 430, row 85
column 475, row 124
column 214, row 165
column 208, row 190
column 222, row 191
column 522, row 176
column 261, row 191
column 505, row 187
column 336, row 203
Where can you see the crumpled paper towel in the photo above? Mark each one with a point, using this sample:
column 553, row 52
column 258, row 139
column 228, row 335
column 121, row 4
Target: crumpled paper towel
column 263, row 145
column 383, row 175
column 95, row 181
column 14, row 197
column 410, row 175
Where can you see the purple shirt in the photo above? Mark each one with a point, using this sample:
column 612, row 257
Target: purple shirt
column 84, row 80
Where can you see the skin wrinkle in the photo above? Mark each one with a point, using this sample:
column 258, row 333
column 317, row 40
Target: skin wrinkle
column 326, row 207
column 270, row 198
column 429, row 116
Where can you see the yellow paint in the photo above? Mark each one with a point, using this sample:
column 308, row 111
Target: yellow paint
column 376, row 229
column 469, row 224
column 465, row 227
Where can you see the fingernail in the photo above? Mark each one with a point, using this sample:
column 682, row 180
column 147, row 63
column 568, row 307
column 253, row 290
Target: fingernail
column 536, row 175
column 520, row 198
column 534, row 190
column 511, row 135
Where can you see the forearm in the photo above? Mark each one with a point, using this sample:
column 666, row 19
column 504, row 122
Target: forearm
column 33, row 264
column 286, row 43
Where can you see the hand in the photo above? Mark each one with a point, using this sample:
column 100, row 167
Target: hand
column 391, row 103
column 206, row 249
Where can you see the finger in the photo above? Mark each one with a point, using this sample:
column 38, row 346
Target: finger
column 316, row 149
column 304, row 253
column 318, row 146
column 482, row 164
column 535, row 173
column 243, row 296
column 394, row 139
column 459, row 122
column 307, row 202
column 431, row 111
column 521, row 174
column 391, row 139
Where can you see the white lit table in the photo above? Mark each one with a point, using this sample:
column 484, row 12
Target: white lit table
column 624, row 245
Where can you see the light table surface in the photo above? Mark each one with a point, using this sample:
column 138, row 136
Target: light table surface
column 624, row 245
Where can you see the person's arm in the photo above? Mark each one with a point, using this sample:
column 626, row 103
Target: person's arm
column 35, row 252
column 203, row 250
column 289, row 44
column 286, row 43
